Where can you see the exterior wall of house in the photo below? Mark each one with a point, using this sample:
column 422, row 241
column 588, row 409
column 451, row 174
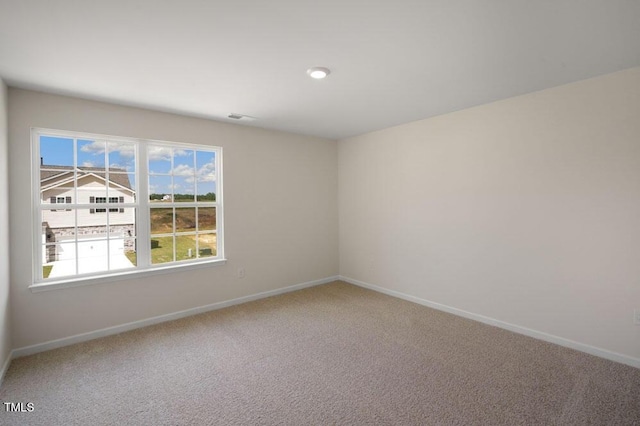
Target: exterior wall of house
column 64, row 218
column 90, row 187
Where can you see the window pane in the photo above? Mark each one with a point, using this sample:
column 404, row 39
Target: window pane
column 160, row 188
column 55, row 151
column 93, row 222
column 92, row 254
column 91, row 182
column 120, row 186
column 183, row 189
column 183, row 162
column 56, row 183
column 58, row 223
column 118, row 258
column 159, row 159
column 161, row 249
column 206, row 218
column 59, row 259
column 122, row 156
column 58, row 238
column 161, row 221
column 205, row 163
column 206, row 190
column 91, row 154
column 130, row 250
column 207, row 245
column 185, row 247
column 122, row 223
column 185, row 219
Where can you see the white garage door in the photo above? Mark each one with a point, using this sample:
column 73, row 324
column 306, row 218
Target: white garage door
column 90, row 249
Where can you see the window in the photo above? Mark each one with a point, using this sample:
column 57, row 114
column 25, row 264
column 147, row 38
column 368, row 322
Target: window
column 103, row 200
column 60, row 200
column 129, row 205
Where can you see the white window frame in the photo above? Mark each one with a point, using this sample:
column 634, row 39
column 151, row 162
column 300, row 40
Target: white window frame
column 142, row 216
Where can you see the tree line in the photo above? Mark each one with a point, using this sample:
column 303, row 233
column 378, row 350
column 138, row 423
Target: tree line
column 209, row 196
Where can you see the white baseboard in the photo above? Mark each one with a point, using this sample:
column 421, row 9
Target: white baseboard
column 65, row 341
column 5, row 367
column 592, row 350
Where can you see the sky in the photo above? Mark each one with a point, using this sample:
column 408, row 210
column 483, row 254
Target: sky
column 171, row 170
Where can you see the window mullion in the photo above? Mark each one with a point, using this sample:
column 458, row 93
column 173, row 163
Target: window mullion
column 219, row 205
column 143, row 228
column 37, row 209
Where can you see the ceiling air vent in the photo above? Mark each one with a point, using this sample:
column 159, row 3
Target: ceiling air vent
column 242, row 117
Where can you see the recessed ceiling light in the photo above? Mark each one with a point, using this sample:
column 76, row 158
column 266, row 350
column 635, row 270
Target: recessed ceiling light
column 318, row 72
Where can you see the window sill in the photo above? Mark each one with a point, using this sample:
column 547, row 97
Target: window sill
column 121, row 276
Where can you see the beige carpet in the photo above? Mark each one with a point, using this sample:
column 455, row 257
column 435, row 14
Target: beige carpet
column 332, row 354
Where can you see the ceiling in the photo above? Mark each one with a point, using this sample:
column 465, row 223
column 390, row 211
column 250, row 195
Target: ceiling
column 392, row 61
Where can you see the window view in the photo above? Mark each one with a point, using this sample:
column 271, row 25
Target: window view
column 182, row 203
column 97, row 213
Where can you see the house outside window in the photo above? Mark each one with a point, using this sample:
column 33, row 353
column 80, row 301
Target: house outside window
column 129, row 205
column 60, row 200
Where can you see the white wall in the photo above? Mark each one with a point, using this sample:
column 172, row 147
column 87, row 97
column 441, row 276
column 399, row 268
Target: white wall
column 525, row 210
column 280, row 217
column 5, row 329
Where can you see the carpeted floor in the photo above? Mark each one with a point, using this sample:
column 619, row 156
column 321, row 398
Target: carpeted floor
column 329, row 355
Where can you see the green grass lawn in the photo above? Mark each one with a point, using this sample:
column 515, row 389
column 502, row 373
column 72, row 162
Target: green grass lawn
column 162, row 248
column 132, row 256
column 46, row 270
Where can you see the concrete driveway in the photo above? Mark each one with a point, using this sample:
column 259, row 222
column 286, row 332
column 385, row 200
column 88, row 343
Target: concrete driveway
column 65, row 268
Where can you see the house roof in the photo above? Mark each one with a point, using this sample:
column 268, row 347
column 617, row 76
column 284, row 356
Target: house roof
column 117, row 176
